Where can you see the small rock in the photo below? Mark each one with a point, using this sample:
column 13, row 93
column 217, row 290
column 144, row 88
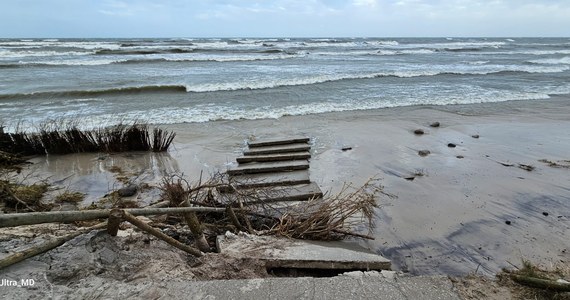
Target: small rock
column 127, row 191
column 424, row 153
column 353, row 274
column 434, row 124
column 451, row 145
column 346, row 148
column 372, row 274
column 419, row 131
column 460, row 156
column 107, row 256
column 545, row 214
column 475, row 136
column 388, row 274
column 508, row 222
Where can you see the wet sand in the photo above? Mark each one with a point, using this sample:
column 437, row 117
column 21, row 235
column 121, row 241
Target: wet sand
column 450, row 220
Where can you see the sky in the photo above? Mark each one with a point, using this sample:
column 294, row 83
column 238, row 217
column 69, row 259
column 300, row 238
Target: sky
column 283, row 18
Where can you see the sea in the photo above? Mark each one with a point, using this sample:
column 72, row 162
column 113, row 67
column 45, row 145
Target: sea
column 102, row 82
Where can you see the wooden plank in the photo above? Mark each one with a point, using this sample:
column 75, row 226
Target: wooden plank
column 298, row 147
column 271, row 179
column 301, row 192
column 274, row 142
column 274, row 157
column 269, row 167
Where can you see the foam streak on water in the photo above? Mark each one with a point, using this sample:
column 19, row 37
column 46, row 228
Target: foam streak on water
column 103, row 81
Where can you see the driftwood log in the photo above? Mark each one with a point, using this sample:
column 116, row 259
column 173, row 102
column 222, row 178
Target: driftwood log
column 149, row 229
column 546, row 284
column 46, row 246
column 18, row 219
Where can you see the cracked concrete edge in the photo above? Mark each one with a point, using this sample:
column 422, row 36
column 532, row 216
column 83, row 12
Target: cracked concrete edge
column 341, row 287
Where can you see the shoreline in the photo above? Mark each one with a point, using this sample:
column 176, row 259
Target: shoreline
column 450, row 220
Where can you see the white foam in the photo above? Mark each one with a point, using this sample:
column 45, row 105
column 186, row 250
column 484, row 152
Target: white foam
column 62, row 44
column 552, row 61
column 207, row 113
column 90, row 62
column 416, row 71
column 21, row 54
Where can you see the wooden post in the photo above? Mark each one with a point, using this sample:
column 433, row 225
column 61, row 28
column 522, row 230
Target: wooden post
column 234, row 219
column 145, row 227
column 115, row 219
column 197, row 231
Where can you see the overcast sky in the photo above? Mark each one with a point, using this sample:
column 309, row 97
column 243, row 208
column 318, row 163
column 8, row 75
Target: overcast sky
column 283, row 18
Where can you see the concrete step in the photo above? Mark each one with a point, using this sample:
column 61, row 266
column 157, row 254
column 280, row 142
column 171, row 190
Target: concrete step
column 274, row 142
column 301, row 192
column 274, row 157
column 269, row 167
column 271, row 179
column 302, row 254
column 279, row 149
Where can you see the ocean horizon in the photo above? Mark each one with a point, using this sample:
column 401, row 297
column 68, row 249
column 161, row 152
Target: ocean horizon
column 100, row 82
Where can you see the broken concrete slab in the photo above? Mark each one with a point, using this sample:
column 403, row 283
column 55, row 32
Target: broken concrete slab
column 298, row 147
column 274, row 142
column 269, row 167
column 271, row 179
column 274, row 157
column 278, row 252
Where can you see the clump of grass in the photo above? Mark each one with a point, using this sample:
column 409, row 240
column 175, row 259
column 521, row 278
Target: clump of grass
column 335, row 217
column 8, row 160
column 23, row 197
column 70, row 197
column 62, row 138
column 115, row 169
column 31, row 194
column 174, row 189
column 162, row 140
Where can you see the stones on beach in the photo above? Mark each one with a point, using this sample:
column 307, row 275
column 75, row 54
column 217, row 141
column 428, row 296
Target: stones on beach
column 346, row 148
column 508, row 222
column 434, row 124
column 460, row 156
column 424, row 153
column 475, row 136
column 419, row 132
column 545, row 214
column 451, row 145
column 127, row 191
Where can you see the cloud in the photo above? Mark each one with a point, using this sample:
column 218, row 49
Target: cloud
column 106, row 18
column 366, row 3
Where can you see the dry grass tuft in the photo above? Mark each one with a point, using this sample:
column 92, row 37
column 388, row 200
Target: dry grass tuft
column 333, row 218
column 58, row 137
column 23, row 197
column 70, row 197
column 330, row 218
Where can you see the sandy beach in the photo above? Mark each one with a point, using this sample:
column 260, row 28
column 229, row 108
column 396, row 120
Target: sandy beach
column 449, row 210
